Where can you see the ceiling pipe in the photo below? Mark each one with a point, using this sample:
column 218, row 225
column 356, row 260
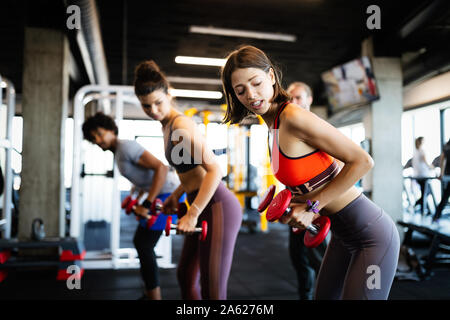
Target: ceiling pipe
column 90, row 43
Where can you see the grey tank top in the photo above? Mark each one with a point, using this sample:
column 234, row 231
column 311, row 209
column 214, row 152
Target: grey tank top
column 127, row 155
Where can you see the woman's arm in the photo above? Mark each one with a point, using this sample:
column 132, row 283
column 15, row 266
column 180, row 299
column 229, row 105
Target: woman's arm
column 317, row 133
column 196, row 142
column 178, row 192
column 171, row 202
column 149, row 161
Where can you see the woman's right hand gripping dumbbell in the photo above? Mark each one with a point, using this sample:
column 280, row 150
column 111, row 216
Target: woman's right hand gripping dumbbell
column 188, row 219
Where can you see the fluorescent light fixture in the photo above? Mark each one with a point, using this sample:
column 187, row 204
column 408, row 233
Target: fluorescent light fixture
column 176, row 79
column 196, row 94
column 200, row 61
column 243, row 33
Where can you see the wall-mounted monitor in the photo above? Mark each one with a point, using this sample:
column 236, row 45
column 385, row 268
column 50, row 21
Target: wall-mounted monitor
column 351, row 84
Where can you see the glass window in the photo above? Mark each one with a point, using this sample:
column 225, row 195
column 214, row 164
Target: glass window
column 446, row 124
column 217, row 139
column 425, row 123
column 355, row 132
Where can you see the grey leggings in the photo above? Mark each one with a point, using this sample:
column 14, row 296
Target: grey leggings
column 362, row 256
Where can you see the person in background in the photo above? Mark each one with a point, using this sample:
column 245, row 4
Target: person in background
column 421, row 170
column 445, row 172
column 148, row 175
column 301, row 94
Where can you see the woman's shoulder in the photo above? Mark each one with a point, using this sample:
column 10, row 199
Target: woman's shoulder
column 182, row 121
column 127, row 143
column 129, row 146
column 293, row 115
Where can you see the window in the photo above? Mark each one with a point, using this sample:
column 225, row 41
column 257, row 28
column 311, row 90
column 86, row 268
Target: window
column 355, row 132
column 425, row 123
column 446, row 126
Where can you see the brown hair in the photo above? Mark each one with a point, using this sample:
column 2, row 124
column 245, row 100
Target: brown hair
column 247, row 57
column 148, row 78
column 419, row 141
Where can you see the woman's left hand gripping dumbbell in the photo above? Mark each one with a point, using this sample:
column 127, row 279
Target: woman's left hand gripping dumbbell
column 149, row 211
column 300, row 216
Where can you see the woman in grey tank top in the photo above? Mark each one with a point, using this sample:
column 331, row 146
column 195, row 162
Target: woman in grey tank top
column 148, row 175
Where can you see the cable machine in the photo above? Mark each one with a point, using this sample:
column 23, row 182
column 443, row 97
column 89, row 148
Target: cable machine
column 118, row 257
column 6, row 144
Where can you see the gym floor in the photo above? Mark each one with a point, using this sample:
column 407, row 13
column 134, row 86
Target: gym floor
column 261, row 271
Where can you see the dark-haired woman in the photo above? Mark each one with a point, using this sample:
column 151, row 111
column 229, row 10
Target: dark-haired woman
column 148, row 175
column 204, row 266
column 362, row 256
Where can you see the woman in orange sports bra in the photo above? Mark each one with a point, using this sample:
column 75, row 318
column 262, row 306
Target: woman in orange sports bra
column 305, row 153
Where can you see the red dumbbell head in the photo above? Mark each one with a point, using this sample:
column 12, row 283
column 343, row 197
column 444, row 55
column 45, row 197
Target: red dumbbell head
column 130, row 206
column 125, row 202
column 204, row 230
column 151, row 221
column 168, row 223
column 156, row 206
column 279, row 205
column 311, row 240
column 268, row 196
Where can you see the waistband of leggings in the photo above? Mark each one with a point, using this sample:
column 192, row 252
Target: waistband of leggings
column 355, row 216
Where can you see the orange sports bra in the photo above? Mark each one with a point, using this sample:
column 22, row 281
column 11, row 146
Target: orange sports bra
column 301, row 174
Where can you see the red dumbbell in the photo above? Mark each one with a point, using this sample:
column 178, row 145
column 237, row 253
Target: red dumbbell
column 126, row 201
column 267, row 198
column 130, row 204
column 182, row 209
column 315, row 233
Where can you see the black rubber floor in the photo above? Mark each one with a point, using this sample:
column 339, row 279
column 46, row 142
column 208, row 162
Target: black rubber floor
column 261, row 271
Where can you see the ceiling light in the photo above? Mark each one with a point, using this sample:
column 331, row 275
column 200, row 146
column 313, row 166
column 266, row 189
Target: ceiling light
column 243, row 33
column 196, row 94
column 200, row 61
column 3, row 84
column 194, row 80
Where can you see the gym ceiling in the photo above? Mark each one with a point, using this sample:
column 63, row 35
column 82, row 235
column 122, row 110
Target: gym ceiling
column 328, row 33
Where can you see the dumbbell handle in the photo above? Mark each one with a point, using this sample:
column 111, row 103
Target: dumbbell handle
column 175, row 226
column 203, row 229
column 311, row 228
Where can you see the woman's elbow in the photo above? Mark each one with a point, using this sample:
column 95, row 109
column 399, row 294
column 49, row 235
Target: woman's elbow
column 368, row 163
column 163, row 169
column 215, row 170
